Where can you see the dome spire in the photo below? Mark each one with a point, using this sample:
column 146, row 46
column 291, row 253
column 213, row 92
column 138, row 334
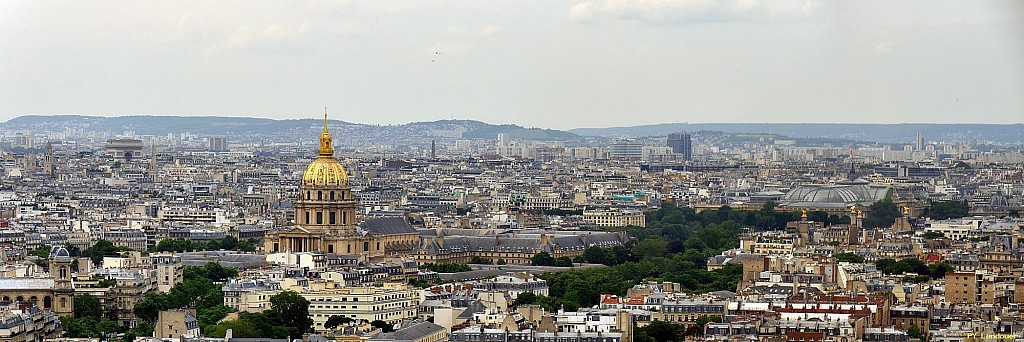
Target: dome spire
column 326, row 148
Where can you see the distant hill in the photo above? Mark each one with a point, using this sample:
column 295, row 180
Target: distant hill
column 858, row 132
column 244, row 126
column 160, row 125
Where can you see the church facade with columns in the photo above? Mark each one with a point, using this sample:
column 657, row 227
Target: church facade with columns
column 326, row 218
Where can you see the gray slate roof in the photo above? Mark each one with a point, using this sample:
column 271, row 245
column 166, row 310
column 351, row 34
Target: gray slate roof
column 412, row 332
column 387, row 226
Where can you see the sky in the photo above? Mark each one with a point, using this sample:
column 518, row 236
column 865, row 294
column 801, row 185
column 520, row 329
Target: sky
column 552, row 64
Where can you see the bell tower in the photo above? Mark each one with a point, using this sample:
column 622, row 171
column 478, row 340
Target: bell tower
column 63, row 288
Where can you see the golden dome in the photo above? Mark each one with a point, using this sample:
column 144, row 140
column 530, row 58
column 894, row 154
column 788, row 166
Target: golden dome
column 325, row 170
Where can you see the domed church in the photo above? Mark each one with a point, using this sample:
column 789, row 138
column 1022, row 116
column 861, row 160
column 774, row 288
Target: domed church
column 326, row 217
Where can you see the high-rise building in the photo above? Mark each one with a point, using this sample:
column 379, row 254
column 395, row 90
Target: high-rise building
column 625, row 148
column 681, row 144
column 218, row 144
column 919, row 143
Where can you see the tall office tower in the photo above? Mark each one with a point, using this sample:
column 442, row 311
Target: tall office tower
column 502, row 139
column 218, row 144
column 919, row 143
column 680, row 143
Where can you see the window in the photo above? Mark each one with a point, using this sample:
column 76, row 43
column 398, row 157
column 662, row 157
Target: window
column 319, row 195
column 332, row 195
column 307, row 217
column 319, row 217
column 332, row 217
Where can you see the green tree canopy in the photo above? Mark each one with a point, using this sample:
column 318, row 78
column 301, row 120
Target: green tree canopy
column 87, row 305
column 384, row 326
column 336, row 320
column 291, row 310
column 942, row 210
column 849, row 257
column 882, row 214
column 543, row 259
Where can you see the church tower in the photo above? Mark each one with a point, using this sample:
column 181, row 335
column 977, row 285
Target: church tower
column 325, row 203
column 63, row 289
column 325, row 210
column 48, row 167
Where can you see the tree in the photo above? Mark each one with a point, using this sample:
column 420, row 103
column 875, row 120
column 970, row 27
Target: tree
column 698, row 328
column 849, row 257
column 149, row 307
column 87, row 305
column 141, row 329
column 942, row 210
column 933, row 235
column 100, row 249
column 216, row 272
column 543, row 259
column 656, row 246
column 882, row 214
column 476, row 260
column 41, row 252
column 212, row 315
column 938, row 270
column 914, row 332
column 336, row 320
column 109, row 327
column 447, row 267
column 598, row 255
column 384, row 326
column 525, row 298
column 290, row 310
column 663, row 331
column 239, row 328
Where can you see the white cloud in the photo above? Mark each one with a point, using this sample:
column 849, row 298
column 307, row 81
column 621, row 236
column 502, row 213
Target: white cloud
column 465, row 31
column 691, row 11
column 489, row 30
column 882, row 49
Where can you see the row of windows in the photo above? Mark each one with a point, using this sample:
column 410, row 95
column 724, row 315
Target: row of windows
column 320, row 195
column 332, row 217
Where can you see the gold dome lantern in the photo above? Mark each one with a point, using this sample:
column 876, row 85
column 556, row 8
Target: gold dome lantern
column 325, row 170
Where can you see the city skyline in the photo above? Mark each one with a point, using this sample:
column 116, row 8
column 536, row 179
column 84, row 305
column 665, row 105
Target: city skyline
column 560, row 65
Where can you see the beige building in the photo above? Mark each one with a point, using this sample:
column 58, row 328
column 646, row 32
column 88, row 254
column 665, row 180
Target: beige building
column 130, row 286
column 614, row 218
column 963, row 287
column 129, row 238
column 249, row 295
column 391, row 303
column 176, row 324
column 168, row 270
column 25, row 323
column 55, row 293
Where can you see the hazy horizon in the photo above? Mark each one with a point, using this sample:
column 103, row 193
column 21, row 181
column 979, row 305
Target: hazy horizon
column 547, row 64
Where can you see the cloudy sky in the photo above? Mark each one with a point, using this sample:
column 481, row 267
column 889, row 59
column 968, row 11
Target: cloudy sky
column 557, row 64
